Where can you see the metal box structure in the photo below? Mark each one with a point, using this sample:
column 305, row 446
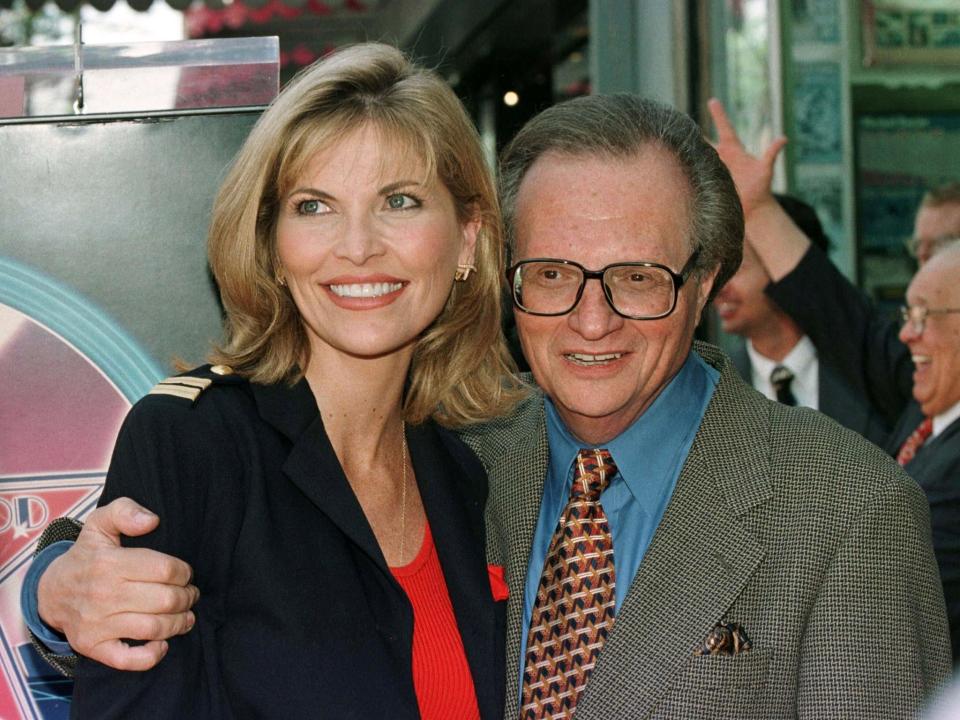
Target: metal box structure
column 103, row 277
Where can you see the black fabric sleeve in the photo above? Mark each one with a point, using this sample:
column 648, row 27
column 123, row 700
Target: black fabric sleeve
column 170, row 457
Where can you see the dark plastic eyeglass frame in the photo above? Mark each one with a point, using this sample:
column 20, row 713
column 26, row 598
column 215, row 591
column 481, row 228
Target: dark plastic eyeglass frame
column 678, row 281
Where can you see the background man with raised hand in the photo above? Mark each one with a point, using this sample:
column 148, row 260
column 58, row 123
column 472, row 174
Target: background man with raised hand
column 911, row 370
column 675, row 544
column 774, row 354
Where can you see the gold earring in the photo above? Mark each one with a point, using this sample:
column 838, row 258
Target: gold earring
column 281, row 280
column 463, row 272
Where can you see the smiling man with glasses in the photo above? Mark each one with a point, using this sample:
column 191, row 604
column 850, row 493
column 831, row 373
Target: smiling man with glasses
column 727, row 573
column 931, row 330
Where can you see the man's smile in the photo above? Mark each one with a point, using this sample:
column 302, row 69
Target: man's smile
column 588, row 360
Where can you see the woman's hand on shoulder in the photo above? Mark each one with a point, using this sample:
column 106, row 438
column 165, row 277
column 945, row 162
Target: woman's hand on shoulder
column 99, row 593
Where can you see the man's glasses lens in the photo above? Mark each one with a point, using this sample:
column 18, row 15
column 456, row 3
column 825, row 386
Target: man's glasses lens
column 915, row 315
column 547, row 287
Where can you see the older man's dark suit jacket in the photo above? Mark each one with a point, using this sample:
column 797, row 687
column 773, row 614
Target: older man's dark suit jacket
column 936, row 467
column 863, row 346
column 801, row 531
column 835, row 397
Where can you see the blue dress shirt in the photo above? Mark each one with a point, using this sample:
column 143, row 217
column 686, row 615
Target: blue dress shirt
column 649, row 456
column 54, row 641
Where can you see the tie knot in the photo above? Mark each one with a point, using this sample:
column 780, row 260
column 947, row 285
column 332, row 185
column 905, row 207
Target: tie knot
column 780, row 378
column 593, row 472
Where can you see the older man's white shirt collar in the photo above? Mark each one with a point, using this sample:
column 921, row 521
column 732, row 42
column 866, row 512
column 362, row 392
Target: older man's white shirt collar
column 942, row 421
column 801, row 361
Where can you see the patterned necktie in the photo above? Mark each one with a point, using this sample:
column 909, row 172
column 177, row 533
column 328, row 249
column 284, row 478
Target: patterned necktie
column 575, row 602
column 780, row 378
column 917, row 438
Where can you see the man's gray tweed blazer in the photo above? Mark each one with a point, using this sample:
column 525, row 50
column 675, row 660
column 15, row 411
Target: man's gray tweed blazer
column 809, row 537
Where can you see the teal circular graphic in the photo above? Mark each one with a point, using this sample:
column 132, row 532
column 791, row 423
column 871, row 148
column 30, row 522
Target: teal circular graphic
column 70, row 375
column 79, row 322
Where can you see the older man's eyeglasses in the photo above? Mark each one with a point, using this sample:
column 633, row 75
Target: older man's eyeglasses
column 913, row 244
column 635, row 290
column 916, row 316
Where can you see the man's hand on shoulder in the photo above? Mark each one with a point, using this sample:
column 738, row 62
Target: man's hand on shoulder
column 99, row 593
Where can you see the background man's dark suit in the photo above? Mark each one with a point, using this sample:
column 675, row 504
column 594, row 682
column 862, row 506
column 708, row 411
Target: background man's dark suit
column 855, row 338
column 835, row 396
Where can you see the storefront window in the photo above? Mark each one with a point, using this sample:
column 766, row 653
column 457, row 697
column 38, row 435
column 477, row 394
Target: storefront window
column 742, row 62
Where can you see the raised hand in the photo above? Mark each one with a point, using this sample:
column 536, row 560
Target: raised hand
column 752, row 175
column 777, row 241
column 99, row 592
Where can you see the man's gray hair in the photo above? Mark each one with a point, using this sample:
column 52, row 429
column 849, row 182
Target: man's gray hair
column 620, row 126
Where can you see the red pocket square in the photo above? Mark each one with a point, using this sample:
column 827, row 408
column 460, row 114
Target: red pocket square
column 497, row 584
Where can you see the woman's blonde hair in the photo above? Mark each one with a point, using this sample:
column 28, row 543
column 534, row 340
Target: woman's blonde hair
column 461, row 370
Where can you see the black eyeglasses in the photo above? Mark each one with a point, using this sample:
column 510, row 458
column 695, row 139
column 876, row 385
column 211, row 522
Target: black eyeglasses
column 635, row 290
column 917, row 316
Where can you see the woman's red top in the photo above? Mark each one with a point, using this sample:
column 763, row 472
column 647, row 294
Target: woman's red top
column 441, row 675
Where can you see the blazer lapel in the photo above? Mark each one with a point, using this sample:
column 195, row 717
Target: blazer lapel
column 519, row 505
column 948, row 435
column 698, row 562
column 516, row 455
column 312, row 464
column 454, row 494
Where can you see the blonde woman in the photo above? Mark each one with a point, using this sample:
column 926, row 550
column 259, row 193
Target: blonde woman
column 333, row 523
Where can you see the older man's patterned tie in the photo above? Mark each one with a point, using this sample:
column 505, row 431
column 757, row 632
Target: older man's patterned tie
column 575, row 605
column 913, row 443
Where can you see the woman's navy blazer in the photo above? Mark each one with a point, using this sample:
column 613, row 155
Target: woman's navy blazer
column 299, row 615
